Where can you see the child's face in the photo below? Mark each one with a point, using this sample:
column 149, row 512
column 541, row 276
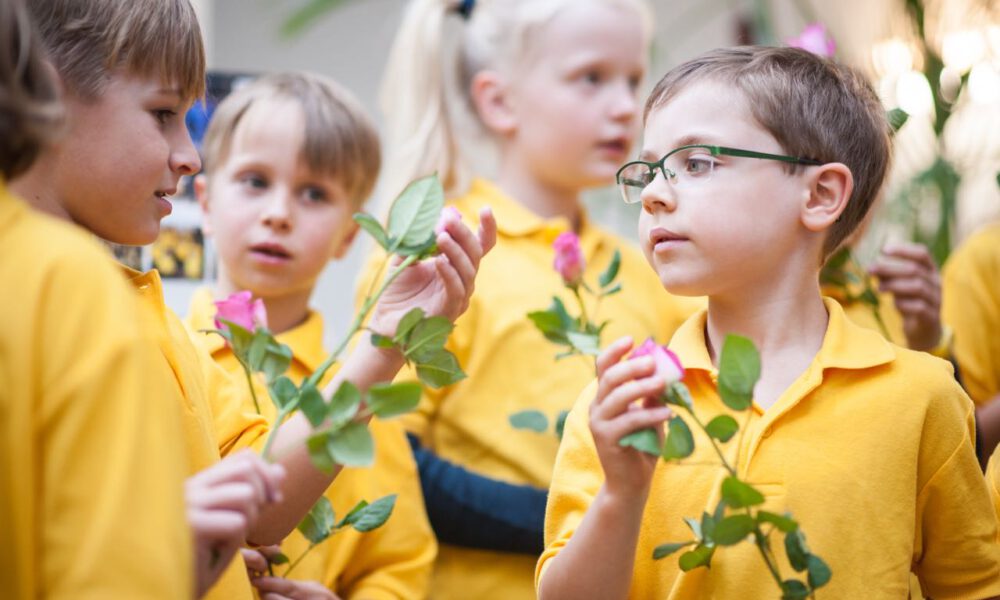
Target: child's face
column 576, row 104
column 122, row 157
column 735, row 230
column 274, row 222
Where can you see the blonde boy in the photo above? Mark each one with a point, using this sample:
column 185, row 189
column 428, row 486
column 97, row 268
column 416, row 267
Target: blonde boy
column 288, row 160
column 131, row 69
column 867, row 444
column 90, row 491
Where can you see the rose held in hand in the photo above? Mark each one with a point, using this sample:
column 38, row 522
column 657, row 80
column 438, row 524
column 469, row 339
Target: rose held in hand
column 569, row 261
column 668, row 366
column 240, row 308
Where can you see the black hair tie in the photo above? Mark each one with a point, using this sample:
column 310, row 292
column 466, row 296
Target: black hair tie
column 465, row 7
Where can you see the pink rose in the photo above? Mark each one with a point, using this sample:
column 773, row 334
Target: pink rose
column 668, row 366
column 449, row 213
column 814, row 39
column 569, row 261
column 240, row 308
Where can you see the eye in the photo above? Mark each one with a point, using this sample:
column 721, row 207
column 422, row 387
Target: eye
column 698, row 166
column 593, row 77
column 634, row 82
column 164, row 115
column 254, row 181
column 314, row 194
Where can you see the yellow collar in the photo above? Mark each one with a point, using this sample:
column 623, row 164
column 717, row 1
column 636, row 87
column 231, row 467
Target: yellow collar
column 305, row 339
column 845, row 345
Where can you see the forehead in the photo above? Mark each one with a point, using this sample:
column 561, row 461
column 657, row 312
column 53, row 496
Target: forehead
column 591, row 31
column 704, row 112
column 270, row 122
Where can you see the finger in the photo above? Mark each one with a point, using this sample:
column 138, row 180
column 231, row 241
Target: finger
column 270, row 552
column 209, row 525
column 910, row 251
column 619, row 373
column 890, row 269
column 466, row 240
column 911, row 288
column 634, row 420
column 452, row 282
column 612, row 354
column 919, row 308
column 244, row 467
column 237, row 497
column 620, row 398
column 459, row 259
column 255, row 561
column 487, row 230
column 275, row 585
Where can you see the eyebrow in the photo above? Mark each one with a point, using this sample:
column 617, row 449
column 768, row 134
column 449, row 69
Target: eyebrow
column 690, row 139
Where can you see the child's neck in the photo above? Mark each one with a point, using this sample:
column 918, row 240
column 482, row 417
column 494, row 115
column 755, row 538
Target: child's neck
column 36, row 187
column 544, row 200
column 284, row 312
column 787, row 324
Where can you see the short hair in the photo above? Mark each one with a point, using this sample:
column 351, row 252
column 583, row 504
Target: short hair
column 88, row 40
column 29, row 107
column 340, row 138
column 814, row 107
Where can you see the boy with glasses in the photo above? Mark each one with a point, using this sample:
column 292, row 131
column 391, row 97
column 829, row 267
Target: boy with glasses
column 757, row 163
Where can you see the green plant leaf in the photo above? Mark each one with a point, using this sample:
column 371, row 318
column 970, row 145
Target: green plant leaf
column 585, row 343
column 701, row 556
column 559, row 309
column 258, row 348
column 407, row 323
column 381, row 341
column 819, row 572
column 283, row 392
column 551, row 326
column 439, row 369
column 352, row 445
column 319, row 521
column 708, row 523
column 389, row 400
column 561, row 423
column 665, row 550
column 739, row 370
column 793, row 589
column 695, row 526
column 345, row 403
column 897, row 117
column 611, row 291
column 319, row 453
column 611, row 272
column 373, row 227
column 783, row 523
column 278, row 559
column 532, row 420
column 307, row 15
column 798, row 552
column 722, row 428
column 421, row 251
column 415, row 213
column 739, row 494
column 351, row 513
column 677, row 394
column 733, row 529
column 276, row 360
column 680, row 442
column 427, row 337
column 312, row 405
column 645, row 440
column 372, row 516
column 240, row 339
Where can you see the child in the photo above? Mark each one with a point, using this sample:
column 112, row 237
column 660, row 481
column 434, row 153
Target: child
column 554, row 86
column 288, row 160
column 868, row 445
column 131, row 69
column 90, row 491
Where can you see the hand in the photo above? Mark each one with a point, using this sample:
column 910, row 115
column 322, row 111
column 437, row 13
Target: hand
column 258, row 560
column 441, row 285
column 907, row 272
column 223, row 502
column 624, row 403
column 279, row 588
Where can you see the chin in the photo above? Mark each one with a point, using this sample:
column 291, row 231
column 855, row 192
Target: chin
column 680, row 284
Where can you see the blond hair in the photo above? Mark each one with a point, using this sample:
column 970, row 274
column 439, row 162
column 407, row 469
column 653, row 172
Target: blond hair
column 340, row 138
column 440, row 46
column 29, row 107
column 814, row 107
column 88, row 40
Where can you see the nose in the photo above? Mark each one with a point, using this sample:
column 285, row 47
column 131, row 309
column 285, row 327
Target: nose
column 277, row 210
column 625, row 102
column 660, row 194
column 184, row 158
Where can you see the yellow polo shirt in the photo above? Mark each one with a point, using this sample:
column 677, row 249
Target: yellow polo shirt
column 395, row 560
column 213, row 405
column 862, row 314
column 91, row 496
column 511, row 367
column 870, row 449
column 971, row 305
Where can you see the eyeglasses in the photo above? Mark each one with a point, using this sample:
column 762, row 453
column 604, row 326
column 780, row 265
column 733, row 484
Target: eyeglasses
column 685, row 167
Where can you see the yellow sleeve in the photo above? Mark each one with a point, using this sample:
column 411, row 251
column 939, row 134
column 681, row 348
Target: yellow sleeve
column 576, row 479
column 394, row 562
column 993, row 482
column 111, row 508
column 955, row 552
column 971, row 306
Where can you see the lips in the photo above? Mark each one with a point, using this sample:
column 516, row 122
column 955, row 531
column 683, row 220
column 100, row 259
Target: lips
column 664, row 239
column 617, row 145
column 271, row 250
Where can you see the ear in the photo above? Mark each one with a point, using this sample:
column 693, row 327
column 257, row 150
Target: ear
column 341, row 250
column 200, row 185
column 491, row 97
column 830, row 188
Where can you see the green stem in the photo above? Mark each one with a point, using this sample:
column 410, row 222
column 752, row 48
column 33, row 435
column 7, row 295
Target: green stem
column 272, row 433
column 583, row 309
column 253, row 391
column 759, row 542
column 297, row 560
column 715, row 446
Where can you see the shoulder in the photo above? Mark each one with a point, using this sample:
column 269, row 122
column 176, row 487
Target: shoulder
column 980, row 253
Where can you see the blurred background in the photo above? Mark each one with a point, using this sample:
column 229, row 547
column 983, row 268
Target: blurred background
column 937, row 59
